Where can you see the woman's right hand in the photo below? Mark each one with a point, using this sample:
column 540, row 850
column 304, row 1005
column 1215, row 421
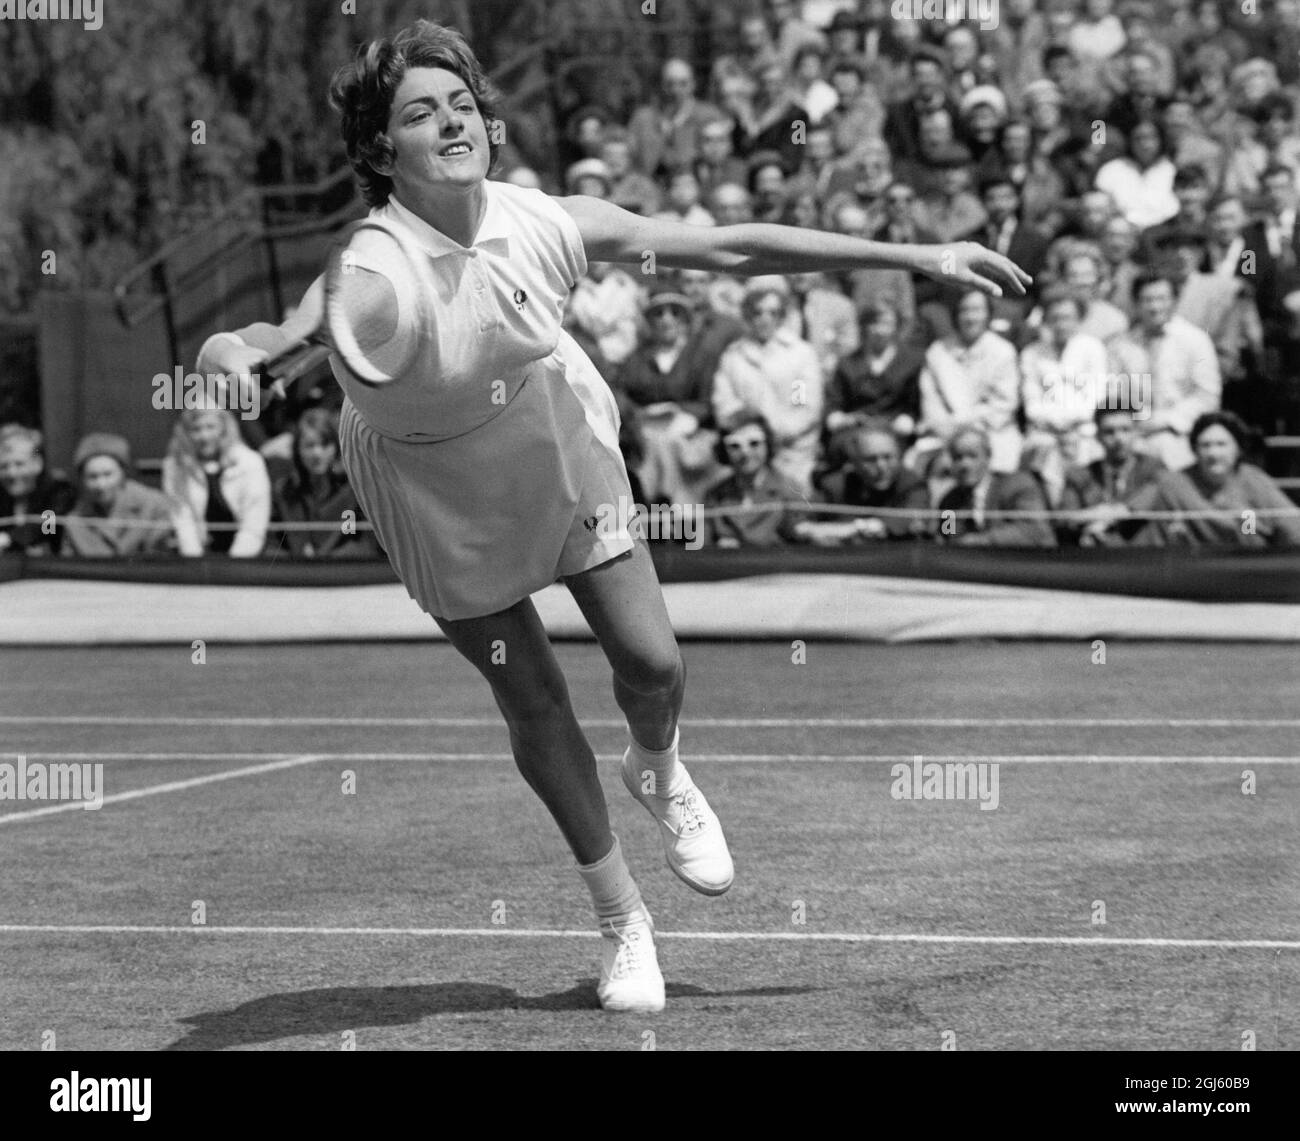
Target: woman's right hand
column 225, row 355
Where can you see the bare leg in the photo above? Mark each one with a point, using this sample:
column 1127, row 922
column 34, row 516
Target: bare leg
column 512, row 651
column 624, row 606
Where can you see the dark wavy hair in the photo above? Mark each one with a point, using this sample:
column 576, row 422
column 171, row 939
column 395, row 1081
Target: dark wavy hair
column 744, row 420
column 362, row 93
column 1234, row 424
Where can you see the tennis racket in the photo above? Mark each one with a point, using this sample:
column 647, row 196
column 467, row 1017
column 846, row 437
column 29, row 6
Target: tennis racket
column 377, row 310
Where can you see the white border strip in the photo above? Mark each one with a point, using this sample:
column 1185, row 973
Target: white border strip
column 721, row 722
column 283, row 760
column 849, row 937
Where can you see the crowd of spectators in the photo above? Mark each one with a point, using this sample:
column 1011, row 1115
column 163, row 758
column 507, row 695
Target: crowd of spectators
column 1140, row 159
column 219, row 496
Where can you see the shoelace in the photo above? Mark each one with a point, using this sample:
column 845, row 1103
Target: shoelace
column 690, row 815
column 629, row 959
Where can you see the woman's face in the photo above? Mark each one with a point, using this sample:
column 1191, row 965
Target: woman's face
column 316, row 453
column 204, row 432
column 439, row 137
column 746, row 449
column 1217, row 453
column 102, row 479
column 972, row 317
column 20, row 468
column 667, row 323
column 1063, row 321
column 1045, row 115
column 1144, row 144
column 1275, row 128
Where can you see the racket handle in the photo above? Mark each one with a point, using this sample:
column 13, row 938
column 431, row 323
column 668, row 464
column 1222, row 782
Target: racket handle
column 295, row 361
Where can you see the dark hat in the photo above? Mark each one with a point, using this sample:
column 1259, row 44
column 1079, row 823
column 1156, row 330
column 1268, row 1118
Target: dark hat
column 663, row 295
column 103, row 444
column 844, row 21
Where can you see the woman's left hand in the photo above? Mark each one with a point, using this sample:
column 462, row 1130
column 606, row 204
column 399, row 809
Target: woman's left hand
column 969, row 263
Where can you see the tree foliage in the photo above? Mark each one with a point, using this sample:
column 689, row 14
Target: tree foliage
column 99, row 154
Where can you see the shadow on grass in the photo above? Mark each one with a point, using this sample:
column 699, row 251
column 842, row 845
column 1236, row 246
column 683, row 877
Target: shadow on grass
column 330, row 1011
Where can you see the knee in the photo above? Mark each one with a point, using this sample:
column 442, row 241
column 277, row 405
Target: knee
column 653, row 670
column 533, row 704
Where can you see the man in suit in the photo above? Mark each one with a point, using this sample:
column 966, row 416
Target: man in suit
column 972, row 513
column 665, row 133
column 1005, row 232
column 1175, row 362
column 1272, row 251
column 1221, row 306
column 1094, row 490
column 1192, row 189
column 929, row 73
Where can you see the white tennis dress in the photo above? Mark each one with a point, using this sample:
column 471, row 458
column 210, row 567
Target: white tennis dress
column 484, row 467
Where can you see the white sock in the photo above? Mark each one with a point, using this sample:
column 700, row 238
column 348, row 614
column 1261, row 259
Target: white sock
column 613, row 890
column 659, row 771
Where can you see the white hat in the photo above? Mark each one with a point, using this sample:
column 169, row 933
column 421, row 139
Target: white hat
column 987, row 94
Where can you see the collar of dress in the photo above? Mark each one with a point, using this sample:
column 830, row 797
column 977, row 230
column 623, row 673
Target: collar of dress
column 493, row 232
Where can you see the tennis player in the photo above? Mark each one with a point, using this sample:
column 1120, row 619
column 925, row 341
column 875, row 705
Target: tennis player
column 490, row 468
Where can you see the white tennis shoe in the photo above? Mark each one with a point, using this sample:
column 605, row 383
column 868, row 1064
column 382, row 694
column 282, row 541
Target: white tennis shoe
column 693, row 841
column 630, row 980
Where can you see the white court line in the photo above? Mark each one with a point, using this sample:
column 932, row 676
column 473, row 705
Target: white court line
column 719, row 758
column 699, row 936
column 152, row 790
column 722, row 722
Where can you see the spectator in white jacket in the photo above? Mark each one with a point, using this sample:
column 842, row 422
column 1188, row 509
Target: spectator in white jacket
column 212, row 480
column 1172, row 370
column 1063, row 379
column 771, row 372
column 970, row 378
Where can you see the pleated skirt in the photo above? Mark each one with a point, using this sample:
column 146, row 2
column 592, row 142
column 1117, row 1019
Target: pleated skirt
column 475, row 523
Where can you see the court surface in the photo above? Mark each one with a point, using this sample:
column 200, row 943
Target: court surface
column 434, row 905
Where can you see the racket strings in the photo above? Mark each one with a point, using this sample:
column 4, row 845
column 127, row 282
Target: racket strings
column 368, row 302
column 381, row 300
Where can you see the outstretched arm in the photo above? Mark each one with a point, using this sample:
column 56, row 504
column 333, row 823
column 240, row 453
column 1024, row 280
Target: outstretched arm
column 613, row 234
